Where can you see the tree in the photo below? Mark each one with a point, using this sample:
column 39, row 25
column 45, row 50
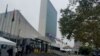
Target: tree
column 68, row 17
column 83, row 24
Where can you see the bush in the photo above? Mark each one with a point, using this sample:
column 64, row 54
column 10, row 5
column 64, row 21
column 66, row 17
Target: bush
column 85, row 50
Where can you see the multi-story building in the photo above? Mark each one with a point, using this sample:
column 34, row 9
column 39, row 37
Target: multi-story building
column 41, row 14
column 15, row 27
column 48, row 19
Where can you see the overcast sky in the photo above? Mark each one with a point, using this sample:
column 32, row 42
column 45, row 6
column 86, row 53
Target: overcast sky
column 30, row 9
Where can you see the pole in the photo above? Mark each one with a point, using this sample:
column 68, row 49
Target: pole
column 3, row 21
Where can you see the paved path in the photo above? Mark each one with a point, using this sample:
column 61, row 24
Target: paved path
column 50, row 54
column 75, row 55
column 43, row 54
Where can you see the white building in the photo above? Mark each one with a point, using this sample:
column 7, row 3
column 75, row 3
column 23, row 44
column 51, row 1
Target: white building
column 39, row 13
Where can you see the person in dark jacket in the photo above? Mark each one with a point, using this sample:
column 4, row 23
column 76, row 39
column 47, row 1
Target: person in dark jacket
column 10, row 52
column 0, row 52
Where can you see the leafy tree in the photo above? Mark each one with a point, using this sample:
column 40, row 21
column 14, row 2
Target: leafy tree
column 83, row 24
column 68, row 17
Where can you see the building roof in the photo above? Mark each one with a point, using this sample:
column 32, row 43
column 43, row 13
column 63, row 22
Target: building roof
column 26, row 29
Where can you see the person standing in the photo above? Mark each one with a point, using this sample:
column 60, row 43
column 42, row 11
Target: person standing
column 27, row 49
column 19, row 51
column 10, row 52
column 0, row 52
column 15, row 51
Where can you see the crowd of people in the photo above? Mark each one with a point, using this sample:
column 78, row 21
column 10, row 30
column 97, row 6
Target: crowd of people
column 19, row 50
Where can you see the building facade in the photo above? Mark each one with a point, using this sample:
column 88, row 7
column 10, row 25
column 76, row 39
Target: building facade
column 19, row 25
column 48, row 19
column 15, row 27
column 39, row 13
